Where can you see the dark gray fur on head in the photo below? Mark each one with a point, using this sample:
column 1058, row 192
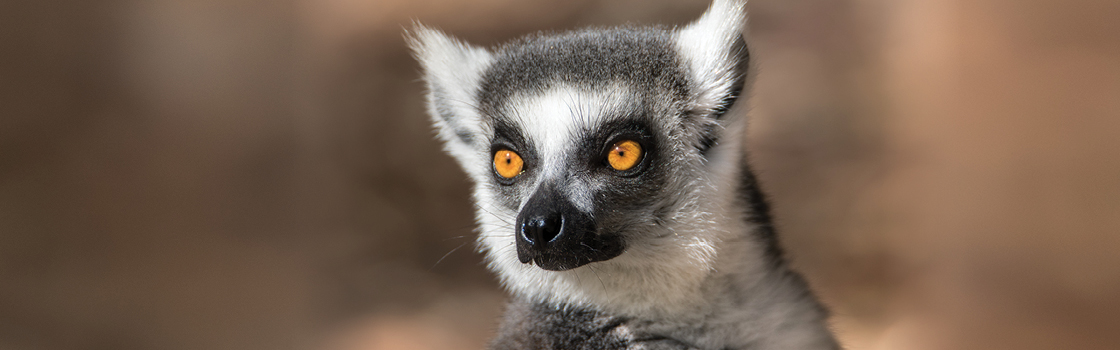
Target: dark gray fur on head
column 592, row 58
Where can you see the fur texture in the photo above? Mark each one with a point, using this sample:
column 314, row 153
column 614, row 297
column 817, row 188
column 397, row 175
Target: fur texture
column 699, row 267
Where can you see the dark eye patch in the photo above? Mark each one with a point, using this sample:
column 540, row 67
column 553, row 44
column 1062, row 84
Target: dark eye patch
column 508, row 136
column 597, row 143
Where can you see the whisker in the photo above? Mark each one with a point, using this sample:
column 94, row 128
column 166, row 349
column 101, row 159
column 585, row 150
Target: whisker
column 446, row 255
column 496, row 216
column 597, row 276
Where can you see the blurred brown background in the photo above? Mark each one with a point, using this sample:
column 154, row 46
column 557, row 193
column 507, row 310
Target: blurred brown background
column 249, row 174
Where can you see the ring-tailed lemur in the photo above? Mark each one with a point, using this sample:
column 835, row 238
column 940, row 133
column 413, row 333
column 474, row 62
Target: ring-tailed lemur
column 614, row 197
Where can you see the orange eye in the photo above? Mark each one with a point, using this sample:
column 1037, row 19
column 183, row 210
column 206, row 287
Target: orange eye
column 508, row 164
column 625, row 155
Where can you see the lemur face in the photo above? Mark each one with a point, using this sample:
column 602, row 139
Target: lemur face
column 590, row 175
column 591, row 147
column 580, row 151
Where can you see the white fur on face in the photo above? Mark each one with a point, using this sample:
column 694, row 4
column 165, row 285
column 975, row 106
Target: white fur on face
column 662, row 270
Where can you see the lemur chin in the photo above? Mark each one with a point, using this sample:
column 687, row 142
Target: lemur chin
column 614, row 197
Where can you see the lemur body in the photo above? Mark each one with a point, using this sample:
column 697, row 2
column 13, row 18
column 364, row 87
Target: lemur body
column 614, row 197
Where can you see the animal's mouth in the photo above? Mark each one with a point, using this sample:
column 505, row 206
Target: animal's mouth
column 570, row 253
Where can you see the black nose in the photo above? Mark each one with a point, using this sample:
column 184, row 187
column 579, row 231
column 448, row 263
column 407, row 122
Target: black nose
column 538, row 230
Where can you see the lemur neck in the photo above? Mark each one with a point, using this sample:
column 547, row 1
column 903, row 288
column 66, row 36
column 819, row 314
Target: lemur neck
column 748, row 259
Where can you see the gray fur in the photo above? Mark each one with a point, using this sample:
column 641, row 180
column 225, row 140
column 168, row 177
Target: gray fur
column 678, row 252
column 590, row 58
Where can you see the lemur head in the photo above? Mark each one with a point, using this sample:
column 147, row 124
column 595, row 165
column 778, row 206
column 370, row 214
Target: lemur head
column 603, row 159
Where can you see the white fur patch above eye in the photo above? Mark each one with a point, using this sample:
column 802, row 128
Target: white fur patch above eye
column 554, row 120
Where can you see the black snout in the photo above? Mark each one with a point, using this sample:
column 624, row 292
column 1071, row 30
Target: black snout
column 557, row 236
column 542, row 228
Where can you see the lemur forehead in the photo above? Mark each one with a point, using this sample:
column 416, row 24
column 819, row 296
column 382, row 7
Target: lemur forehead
column 555, row 118
column 644, row 58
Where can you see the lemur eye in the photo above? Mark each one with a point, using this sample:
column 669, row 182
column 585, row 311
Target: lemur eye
column 625, row 155
column 508, row 164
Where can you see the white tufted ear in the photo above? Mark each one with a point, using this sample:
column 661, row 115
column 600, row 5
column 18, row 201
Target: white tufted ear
column 714, row 50
column 453, row 71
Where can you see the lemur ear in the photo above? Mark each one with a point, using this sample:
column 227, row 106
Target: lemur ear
column 452, row 71
column 717, row 56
